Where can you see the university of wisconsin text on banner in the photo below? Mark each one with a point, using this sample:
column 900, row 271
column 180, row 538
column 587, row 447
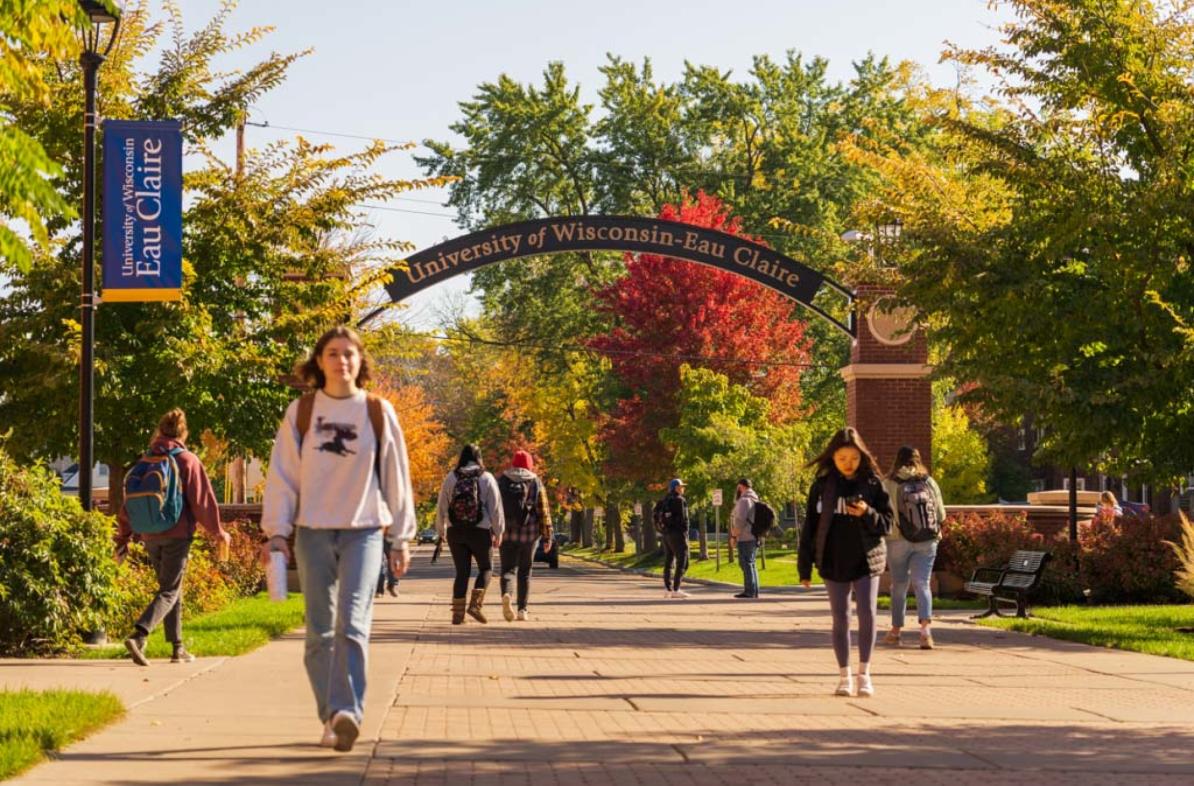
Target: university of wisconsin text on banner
column 142, row 210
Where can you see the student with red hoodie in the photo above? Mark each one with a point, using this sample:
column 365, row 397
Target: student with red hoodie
column 170, row 550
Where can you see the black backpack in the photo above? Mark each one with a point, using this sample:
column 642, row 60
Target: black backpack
column 659, row 515
column 763, row 521
column 465, row 507
column 518, row 499
column 918, row 511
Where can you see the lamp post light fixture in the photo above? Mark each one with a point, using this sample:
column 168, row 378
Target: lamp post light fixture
column 97, row 37
column 885, row 235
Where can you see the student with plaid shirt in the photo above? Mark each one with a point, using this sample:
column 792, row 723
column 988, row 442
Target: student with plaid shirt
column 528, row 518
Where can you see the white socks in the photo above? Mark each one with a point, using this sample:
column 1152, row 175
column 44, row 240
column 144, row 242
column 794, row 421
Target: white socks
column 844, row 671
column 864, row 669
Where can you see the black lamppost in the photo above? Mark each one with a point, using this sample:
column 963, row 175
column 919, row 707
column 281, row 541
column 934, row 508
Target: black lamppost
column 101, row 31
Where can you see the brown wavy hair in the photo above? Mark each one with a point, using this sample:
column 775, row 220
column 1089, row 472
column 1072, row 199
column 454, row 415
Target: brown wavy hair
column 908, row 456
column 308, row 370
column 845, row 438
column 173, row 425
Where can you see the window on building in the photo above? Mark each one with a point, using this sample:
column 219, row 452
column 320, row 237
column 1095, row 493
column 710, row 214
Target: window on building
column 1038, row 485
column 1021, row 436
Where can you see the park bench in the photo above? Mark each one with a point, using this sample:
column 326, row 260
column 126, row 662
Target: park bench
column 1010, row 583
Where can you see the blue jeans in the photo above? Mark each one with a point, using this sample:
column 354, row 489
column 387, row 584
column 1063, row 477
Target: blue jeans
column 911, row 561
column 338, row 569
column 750, row 571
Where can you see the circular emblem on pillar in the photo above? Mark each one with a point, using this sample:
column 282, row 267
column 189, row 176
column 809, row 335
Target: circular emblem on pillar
column 890, row 324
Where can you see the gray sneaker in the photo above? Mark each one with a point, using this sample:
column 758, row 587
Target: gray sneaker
column 136, row 647
column 181, row 655
column 346, row 729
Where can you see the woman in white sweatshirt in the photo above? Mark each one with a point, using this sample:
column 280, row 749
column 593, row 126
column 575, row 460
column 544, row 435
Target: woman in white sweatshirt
column 339, row 473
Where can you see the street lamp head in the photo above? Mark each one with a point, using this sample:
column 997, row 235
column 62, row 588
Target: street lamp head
column 99, row 36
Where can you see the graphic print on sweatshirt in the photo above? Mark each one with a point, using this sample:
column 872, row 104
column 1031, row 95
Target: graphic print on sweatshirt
column 342, row 432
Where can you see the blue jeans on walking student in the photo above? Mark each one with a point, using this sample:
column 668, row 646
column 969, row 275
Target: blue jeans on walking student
column 338, row 569
column 750, row 570
column 911, row 562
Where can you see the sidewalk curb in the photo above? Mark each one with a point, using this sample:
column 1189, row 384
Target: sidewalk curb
column 792, row 590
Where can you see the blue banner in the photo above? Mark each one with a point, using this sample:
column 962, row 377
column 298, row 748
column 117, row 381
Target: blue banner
column 142, row 226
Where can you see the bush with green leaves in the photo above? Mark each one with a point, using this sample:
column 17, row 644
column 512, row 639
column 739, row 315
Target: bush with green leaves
column 57, row 578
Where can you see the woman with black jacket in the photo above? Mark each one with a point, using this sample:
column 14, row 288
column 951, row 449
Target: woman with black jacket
column 846, row 518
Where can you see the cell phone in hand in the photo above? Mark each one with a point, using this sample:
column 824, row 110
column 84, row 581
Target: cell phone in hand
column 853, row 499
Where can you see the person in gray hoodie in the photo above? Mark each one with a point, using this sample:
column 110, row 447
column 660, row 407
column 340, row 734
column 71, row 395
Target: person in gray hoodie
column 469, row 516
column 741, row 535
column 912, row 543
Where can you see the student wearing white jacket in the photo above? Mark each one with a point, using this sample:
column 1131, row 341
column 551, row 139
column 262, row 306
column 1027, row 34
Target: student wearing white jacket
column 339, row 474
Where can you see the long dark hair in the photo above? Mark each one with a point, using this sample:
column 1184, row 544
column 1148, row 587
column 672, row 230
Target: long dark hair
column 309, row 370
column 845, row 438
column 908, row 456
column 470, row 454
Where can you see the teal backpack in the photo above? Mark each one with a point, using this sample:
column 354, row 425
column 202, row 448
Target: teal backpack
column 153, row 493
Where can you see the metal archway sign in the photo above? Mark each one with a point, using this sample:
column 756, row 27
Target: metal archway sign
column 561, row 234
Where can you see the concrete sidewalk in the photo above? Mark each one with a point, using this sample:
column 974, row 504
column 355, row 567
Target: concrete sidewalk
column 612, row 683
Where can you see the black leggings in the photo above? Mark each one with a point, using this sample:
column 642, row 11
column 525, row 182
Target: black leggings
column 468, row 544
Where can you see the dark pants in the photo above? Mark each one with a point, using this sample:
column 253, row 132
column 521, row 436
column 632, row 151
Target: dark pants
column 516, row 558
column 866, row 598
column 386, row 578
column 468, row 544
column 168, row 556
column 675, row 548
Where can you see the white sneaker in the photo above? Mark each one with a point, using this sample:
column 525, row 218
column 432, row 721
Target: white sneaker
column 669, row 594
column 845, row 687
column 346, row 730
column 680, row 594
column 508, row 607
column 865, row 686
column 328, row 740
column 522, row 615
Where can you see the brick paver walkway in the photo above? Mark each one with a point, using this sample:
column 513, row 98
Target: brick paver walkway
column 612, row 683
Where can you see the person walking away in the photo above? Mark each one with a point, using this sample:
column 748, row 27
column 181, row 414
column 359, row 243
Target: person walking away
column 741, row 535
column 386, row 580
column 528, row 518
column 912, row 544
column 339, row 481
column 469, row 516
column 847, row 516
column 675, row 539
column 167, row 497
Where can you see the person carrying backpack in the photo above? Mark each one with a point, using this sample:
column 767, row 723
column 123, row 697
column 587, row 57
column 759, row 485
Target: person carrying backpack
column 528, row 518
column 742, row 535
column 167, row 495
column 846, row 518
column 912, row 544
column 671, row 516
column 339, row 481
column 469, row 516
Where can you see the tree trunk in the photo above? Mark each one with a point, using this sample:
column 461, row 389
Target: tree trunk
column 703, row 534
column 650, row 542
column 116, row 472
column 586, row 533
column 614, row 522
column 611, row 524
column 575, row 521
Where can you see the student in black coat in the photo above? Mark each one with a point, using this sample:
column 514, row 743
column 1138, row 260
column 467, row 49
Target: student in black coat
column 846, row 518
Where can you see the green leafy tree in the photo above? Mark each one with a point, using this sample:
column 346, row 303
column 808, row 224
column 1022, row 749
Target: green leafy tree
column 29, row 33
column 271, row 257
column 961, row 461
column 1048, row 238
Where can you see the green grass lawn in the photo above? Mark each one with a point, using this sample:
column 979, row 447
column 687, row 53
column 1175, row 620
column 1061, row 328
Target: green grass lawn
column 780, row 570
column 1148, row 629
column 241, row 626
column 938, row 603
column 34, row 723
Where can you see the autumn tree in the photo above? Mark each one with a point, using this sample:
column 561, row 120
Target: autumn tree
column 670, row 313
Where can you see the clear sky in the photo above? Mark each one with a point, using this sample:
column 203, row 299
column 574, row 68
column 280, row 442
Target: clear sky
column 396, row 69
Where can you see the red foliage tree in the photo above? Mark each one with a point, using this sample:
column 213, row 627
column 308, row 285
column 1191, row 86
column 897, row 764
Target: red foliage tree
column 670, row 312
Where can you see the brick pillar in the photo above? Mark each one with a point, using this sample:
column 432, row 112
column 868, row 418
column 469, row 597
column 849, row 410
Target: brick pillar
column 889, row 397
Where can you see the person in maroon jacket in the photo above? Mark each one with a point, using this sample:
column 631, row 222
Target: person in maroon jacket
column 168, row 551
